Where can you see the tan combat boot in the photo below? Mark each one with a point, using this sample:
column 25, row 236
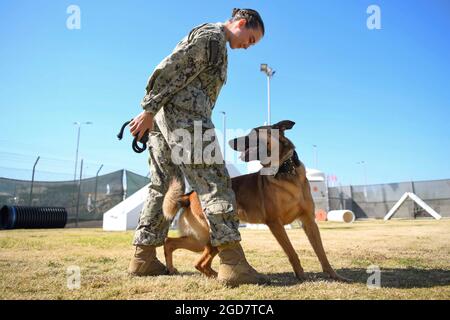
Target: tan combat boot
column 234, row 268
column 145, row 262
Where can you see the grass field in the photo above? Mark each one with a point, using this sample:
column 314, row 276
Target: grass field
column 414, row 258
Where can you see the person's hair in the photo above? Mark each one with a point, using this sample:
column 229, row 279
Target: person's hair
column 252, row 16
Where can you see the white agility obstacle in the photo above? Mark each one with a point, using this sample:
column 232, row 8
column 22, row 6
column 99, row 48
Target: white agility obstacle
column 417, row 200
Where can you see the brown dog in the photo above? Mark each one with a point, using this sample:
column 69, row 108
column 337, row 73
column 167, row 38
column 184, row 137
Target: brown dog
column 274, row 200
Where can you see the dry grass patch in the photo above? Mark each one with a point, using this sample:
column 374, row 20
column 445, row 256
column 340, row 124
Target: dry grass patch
column 414, row 257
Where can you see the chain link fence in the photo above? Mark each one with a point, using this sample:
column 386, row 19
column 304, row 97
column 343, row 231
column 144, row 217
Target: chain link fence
column 375, row 201
column 85, row 200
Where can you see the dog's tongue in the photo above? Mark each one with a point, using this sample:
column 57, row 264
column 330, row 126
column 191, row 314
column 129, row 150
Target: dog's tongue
column 249, row 154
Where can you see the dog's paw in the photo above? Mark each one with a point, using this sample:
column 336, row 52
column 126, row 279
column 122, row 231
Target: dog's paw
column 212, row 274
column 301, row 276
column 173, row 271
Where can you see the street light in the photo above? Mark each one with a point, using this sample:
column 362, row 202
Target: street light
column 78, row 145
column 269, row 73
column 224, row 134
column 96, row 183
column 32, row 180
column 315, row 156
column 363, row 163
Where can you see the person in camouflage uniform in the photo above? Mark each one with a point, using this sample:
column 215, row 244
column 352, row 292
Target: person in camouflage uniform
column 181, row 93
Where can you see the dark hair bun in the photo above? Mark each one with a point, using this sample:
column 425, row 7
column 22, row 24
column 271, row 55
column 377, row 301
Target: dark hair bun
column 251, row 16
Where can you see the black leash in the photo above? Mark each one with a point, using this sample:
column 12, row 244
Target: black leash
column 135, row 145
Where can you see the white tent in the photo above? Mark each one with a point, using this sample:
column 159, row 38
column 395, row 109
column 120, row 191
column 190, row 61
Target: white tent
column 315, row 175
column 125, row 215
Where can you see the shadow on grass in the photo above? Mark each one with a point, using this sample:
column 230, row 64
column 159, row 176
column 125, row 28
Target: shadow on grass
column 390, row 278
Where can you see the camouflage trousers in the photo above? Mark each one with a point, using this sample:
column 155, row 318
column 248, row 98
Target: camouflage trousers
column 211, row 182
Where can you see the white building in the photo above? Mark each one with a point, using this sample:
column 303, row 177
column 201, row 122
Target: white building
column 125, row 215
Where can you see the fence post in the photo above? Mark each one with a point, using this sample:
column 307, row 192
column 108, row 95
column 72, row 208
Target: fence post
column 124, row 185
column 95, row 193
column 413, row 190
column 32, row 181
column 79, row 191
column 352, row 199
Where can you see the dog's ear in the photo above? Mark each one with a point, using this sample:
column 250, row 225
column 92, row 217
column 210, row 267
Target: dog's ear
column 284, row 125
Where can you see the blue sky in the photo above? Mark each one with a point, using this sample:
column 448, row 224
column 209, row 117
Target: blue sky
column 379, row 96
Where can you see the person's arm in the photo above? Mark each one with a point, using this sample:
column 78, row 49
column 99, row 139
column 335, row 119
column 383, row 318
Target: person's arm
column 177, row 71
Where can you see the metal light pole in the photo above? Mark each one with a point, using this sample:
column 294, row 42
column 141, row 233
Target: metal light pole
column 79, row 192
column 363, row 163
column 224, row 134
column 315, row 156
column 32, row 180
column 78, row 145
column 95, row 194
column 269, row 73
column 365, row 173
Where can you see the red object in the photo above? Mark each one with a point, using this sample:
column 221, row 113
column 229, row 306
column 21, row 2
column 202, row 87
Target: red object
column 321, row 215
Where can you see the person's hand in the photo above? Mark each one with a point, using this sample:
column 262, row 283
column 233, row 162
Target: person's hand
column 141, row 124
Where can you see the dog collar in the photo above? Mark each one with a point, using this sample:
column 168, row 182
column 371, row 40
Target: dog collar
column 290, row 165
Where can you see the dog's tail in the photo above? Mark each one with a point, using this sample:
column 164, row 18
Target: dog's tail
column 174, row 199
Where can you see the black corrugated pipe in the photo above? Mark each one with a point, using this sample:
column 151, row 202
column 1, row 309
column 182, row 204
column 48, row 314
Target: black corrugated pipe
column 15, row 217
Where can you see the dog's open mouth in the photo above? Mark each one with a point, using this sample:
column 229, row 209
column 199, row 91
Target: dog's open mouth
column 249, row 154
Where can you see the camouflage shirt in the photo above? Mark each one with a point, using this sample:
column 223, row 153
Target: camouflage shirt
column 191, row 77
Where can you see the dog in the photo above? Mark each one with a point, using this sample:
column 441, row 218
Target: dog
column 275, row 200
